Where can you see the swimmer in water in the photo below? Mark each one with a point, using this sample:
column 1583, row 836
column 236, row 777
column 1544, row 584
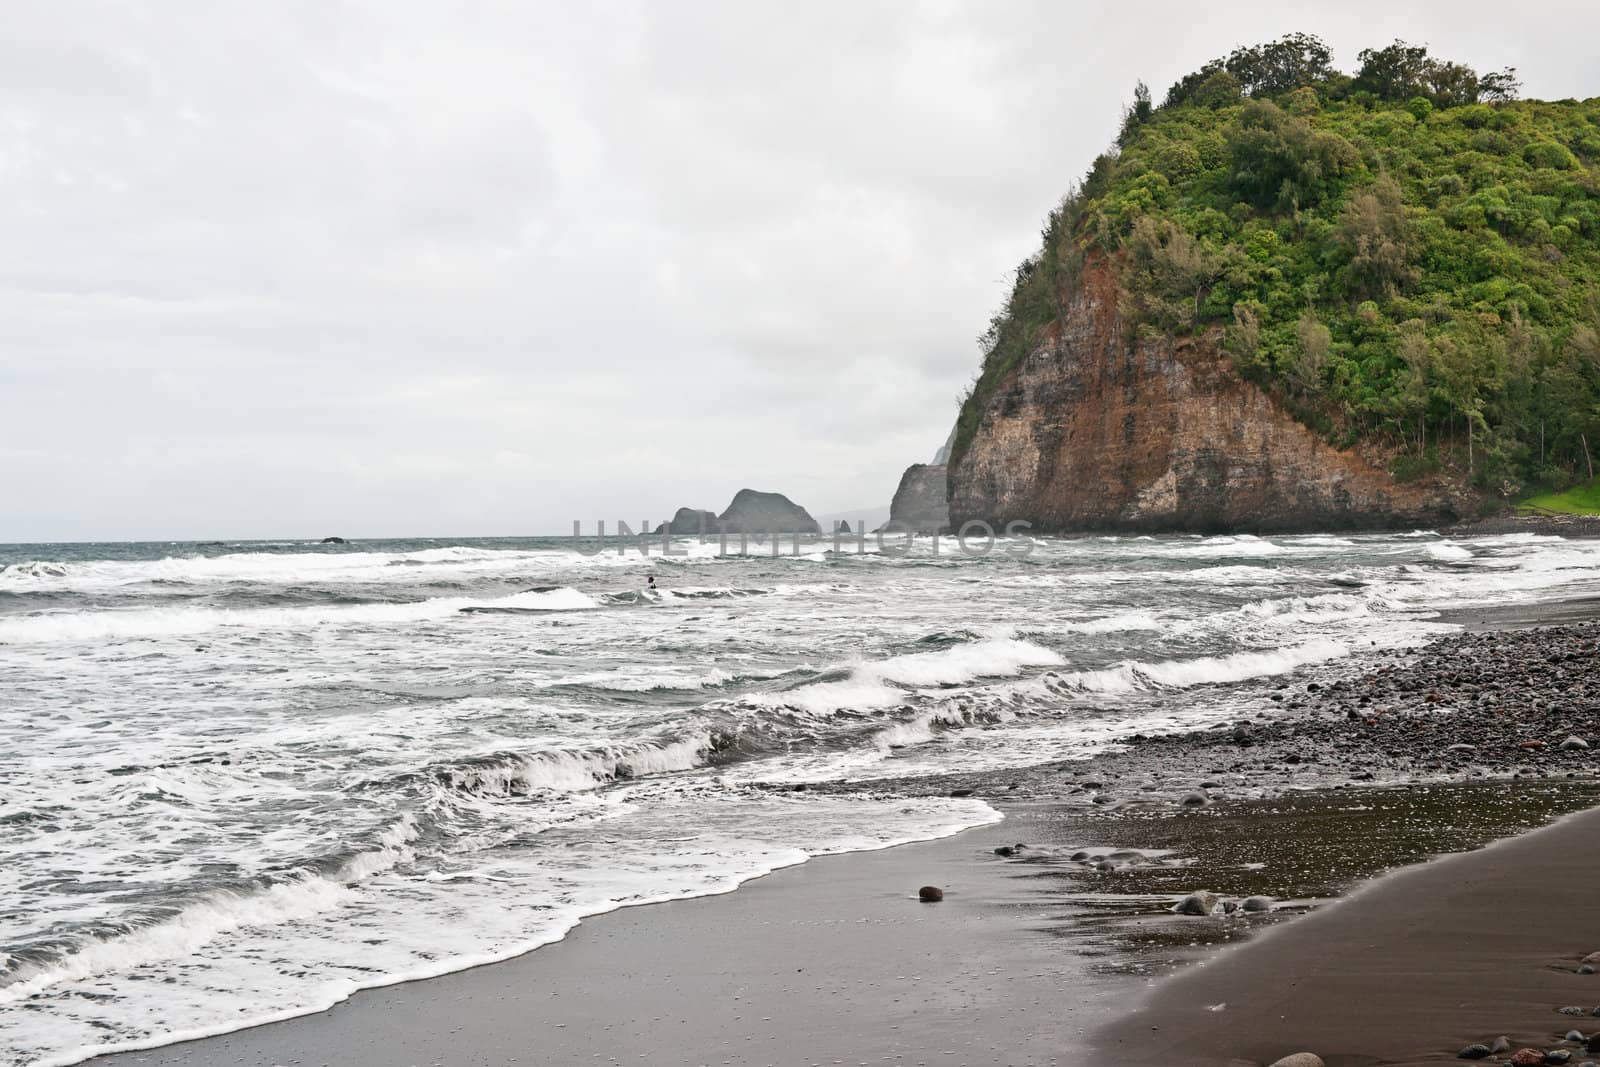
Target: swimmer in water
column 650, row 584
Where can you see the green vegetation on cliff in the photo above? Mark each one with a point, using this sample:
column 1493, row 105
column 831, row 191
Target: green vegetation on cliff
column 1408, row 257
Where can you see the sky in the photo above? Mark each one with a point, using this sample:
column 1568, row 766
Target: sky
column 423, row 268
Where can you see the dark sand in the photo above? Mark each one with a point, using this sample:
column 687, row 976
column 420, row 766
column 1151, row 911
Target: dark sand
column 836, row 962
column 833, row 961
column 1405, row 972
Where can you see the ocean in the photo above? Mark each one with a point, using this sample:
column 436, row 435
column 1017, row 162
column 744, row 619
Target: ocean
column 240, row 781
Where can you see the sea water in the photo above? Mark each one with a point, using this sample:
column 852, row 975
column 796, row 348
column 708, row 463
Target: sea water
column 239, row 782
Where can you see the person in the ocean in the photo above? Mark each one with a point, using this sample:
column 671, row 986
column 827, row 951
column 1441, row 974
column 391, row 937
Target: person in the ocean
column 650, row 584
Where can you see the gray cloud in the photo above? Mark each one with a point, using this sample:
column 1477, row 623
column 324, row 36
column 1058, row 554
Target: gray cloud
column 388, row 268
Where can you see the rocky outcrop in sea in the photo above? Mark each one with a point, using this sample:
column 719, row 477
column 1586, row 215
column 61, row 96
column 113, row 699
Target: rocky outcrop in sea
column 690, row 522
column 752, row 512
column 921, row 502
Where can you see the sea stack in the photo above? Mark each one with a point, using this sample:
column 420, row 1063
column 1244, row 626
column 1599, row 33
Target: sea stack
column 690, row 521
column 921, row 503
column 756, row 512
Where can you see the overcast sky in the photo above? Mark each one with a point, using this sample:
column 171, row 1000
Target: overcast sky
column 389, row 268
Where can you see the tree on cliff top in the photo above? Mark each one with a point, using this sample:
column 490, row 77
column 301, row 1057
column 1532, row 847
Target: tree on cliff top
column 1408, row 255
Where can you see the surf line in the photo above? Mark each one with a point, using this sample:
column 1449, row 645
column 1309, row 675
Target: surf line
column 974, row 538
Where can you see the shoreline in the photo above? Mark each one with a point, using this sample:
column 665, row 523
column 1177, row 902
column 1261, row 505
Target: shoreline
column 837, row 958
column 969, row 979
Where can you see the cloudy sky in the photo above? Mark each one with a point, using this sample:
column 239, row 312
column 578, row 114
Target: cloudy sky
column 395, row 267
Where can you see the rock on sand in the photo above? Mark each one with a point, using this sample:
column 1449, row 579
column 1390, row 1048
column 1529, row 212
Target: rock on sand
column 1198, row 903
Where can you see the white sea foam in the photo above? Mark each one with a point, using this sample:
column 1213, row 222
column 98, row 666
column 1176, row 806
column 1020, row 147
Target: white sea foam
column 172, row 621
column 873, row 684
column 1205, row 670
column 568, row 770
column 562, row 760
column 305, row 946
column 1115, row 624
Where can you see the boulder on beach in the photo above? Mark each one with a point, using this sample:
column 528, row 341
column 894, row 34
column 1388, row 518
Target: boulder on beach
column 1300, row 1059
column 1197, row 903
column 930, row 894
column 334, row 541
column 1256, row 903
column 754, row 512
column 1573, row 742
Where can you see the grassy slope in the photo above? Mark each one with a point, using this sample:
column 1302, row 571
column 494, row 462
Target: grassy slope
column 1579, row 500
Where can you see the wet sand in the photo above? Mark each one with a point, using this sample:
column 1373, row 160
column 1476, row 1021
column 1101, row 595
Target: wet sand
column 836, row 961
column 831, row 961
column 1409, row 971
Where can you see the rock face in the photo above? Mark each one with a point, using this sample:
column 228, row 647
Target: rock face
column 921, row 503
column 690, row 521
column 754, row 512
column 1094, row 430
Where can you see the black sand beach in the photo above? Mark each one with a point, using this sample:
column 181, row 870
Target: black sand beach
column 1035, row 949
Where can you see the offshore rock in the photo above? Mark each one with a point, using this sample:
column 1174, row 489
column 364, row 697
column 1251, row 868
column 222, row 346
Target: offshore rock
column 1098, row 430
column 691, row 521
column 755, row 512
column 921, row 503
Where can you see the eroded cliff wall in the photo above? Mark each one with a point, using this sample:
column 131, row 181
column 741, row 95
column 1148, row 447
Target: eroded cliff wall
column 1094, row 431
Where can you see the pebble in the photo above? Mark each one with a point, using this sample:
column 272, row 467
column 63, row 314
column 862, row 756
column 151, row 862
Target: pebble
column 1195, row 798
column 1593, row 1044
column 1558, row 1056
column 1572, row 1009
column 1257, row 903
column 1574, row 1035
column 1501, row 1044
column 1593, row 957
column 1473, row 1052
column 930, row 894
column 1573, row 742
column 1526, row 1057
